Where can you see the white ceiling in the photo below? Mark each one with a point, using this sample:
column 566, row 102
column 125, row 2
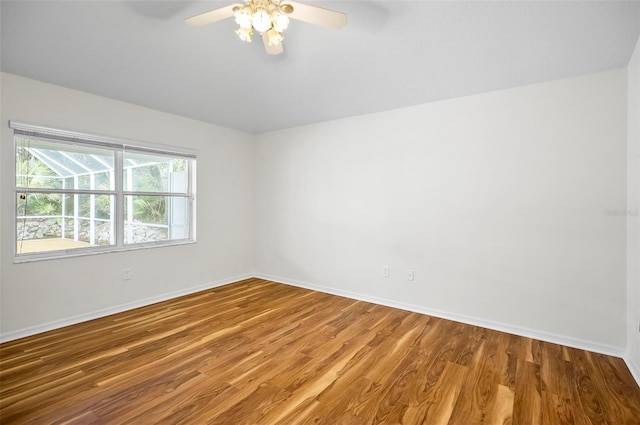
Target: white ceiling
column 391, row 54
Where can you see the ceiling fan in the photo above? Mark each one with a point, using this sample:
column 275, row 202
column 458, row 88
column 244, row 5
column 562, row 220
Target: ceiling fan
column 270, row 18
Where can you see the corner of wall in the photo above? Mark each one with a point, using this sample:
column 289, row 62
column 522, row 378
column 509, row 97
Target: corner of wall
column 634, row 367
column 632, row 356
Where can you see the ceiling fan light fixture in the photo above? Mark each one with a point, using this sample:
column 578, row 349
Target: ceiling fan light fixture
column 243, row 17
column 280, row 21
column 274, row 37
column 269, row 18
column 261, row 20
column 245, row 34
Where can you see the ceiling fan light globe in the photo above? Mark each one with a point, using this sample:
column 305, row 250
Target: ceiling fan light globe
column 261, row 20
column 243, row 18
column 280, row 21
column 244, row 34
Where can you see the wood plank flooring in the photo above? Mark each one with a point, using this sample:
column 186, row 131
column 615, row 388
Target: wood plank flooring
column 258, row 352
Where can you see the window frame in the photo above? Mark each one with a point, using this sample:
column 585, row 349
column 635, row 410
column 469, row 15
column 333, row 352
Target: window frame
column 118, row 147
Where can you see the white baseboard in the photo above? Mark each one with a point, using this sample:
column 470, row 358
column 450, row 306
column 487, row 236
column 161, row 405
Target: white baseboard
column 498, row 326
column 45, row 327
column 634, row 367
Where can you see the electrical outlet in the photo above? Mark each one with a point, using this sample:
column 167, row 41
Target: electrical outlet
column 410, row 275
column 385, row 271
column 126, row 273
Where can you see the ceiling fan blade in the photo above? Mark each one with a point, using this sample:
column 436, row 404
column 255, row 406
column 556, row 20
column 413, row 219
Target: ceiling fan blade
column 272, row 49
column 317, row 15
column 211, row 16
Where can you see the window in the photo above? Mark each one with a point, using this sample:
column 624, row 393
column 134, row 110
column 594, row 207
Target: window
column 78, row 194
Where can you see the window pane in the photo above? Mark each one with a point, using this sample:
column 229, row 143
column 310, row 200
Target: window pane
column 51, row 165
column 155, row 218
column 69, row 203
column 39, row 204
column 104, row 181
column 154, row 173
column 32, row 172
column 41, row 225
column 83, row 182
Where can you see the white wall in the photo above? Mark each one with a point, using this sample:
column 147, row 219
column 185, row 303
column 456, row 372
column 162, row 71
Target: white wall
column 633, row 218
column 35, row 296
column 505, row 204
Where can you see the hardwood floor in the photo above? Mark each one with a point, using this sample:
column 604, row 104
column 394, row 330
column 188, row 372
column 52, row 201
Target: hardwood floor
column 258, row 352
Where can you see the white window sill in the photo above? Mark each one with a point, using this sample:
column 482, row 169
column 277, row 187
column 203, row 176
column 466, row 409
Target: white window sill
column 83, row 252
